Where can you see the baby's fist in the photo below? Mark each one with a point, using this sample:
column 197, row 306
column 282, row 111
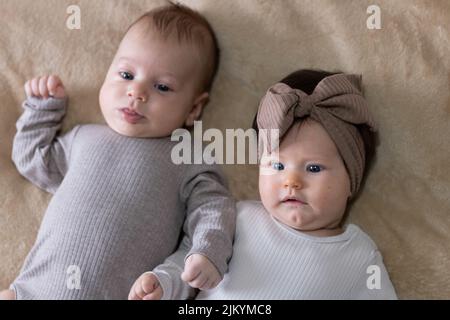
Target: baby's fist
column 44, row 87
column 200, row 273
column 146, row 287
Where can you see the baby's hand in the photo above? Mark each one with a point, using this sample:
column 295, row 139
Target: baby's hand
column 146, row 287
column 200, row 273
column 44, row 87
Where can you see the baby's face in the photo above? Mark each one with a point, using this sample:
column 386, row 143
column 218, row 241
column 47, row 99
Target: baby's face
column 308, row 188
column 153, row 86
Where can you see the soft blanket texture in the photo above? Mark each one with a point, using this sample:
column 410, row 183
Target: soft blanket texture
column 405, row 205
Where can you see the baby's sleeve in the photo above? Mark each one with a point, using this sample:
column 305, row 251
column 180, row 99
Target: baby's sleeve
column 38, row 153
column 375, row 283
column 211, row 215
column 169, row 274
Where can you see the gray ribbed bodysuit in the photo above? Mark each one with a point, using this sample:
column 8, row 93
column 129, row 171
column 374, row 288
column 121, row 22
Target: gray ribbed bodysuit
column 118, row 208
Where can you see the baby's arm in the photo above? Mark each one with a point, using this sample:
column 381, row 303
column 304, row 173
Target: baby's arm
column 210, row 223
column 38, row 153
column 365, row 289
column 201, row 263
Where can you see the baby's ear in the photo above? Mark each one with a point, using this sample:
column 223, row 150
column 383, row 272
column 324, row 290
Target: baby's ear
column 197, row 109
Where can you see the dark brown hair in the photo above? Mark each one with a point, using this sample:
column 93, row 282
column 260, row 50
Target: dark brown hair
column 189, row 26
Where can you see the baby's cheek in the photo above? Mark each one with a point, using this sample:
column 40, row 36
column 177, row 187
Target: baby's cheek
column 321, row 197
column 331, row 192
column 267, row 189
column 332, row 199
column 105, row 95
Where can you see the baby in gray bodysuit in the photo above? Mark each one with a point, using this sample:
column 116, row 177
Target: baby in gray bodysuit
column 119, row 202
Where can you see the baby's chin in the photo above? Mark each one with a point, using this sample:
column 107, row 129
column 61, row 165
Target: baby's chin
column 127, row 133
column 295, row 218
column 126, row 130
column 131, row 132
column 134, row 131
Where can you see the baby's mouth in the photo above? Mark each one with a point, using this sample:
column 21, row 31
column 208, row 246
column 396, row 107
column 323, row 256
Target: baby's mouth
column 131, row 116
column 293, row 200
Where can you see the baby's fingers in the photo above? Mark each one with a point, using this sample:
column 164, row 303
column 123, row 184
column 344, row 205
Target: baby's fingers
column 155, row 295
column 45, row 86
column 28, row 90
column 132, row 295
column 211, row 283
column 55, row 86
column 136, row 292
column 43, row 91
column 149, row 283
column 146, row 284
column 34, row 83
column 139, row 293
column 199, row 281
column 190, row 274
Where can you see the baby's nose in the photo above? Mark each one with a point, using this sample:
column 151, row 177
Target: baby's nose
column 137, row 93
column 292, row 181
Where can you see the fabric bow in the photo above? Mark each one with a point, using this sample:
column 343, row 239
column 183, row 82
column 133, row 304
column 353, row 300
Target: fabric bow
column 336, row 103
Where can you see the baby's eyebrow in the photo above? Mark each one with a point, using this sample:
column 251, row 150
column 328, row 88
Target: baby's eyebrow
column 309, row 158
column 126, row 59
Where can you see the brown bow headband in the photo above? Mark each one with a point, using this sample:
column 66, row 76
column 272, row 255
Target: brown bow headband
column 336, row 103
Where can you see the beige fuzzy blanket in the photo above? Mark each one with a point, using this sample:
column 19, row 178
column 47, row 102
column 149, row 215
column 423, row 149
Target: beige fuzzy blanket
column 405, row 65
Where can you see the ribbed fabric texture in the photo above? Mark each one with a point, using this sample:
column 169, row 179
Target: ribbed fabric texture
column 273, row 261
column 118, row 208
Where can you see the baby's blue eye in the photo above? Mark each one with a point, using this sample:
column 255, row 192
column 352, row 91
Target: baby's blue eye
column 278, row 166
column 162, row 87
column 314, row 168
column 126, row 75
